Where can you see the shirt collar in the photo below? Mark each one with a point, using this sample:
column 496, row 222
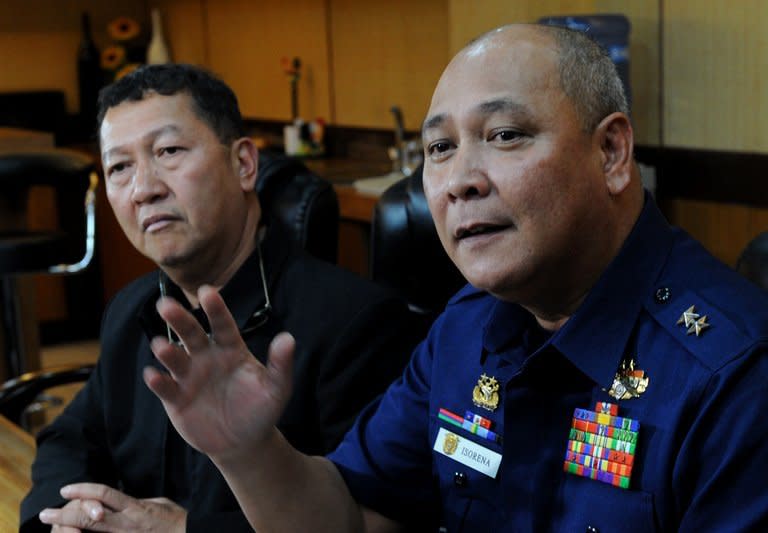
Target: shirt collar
column 595, row 338
column 243, row 294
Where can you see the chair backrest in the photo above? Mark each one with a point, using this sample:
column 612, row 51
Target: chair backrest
column 302, row 202
column 753, row 261
column 406, row 253
column 65, row 250
column 72, row 175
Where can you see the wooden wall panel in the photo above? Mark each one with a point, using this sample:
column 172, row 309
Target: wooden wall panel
column 39, row 40
column 246, row 40
column 185, row 30
column 715, row 80
column 469, row 19
column 384, row 54
column 644, row 68
column 724, row 229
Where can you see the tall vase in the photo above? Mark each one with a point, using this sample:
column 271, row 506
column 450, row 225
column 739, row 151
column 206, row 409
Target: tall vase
column 157, row 52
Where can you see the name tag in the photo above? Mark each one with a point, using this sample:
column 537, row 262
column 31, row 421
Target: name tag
column 467, row 452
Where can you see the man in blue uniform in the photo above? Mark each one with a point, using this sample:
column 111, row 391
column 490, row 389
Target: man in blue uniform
column 602, row 372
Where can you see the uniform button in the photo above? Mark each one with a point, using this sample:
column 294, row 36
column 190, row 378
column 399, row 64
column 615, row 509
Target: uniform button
column 460, row 479
column 662, row 295
column 592, row 529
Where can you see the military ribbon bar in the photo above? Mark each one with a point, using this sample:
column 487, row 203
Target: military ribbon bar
column 474, row 428
column 601, row 445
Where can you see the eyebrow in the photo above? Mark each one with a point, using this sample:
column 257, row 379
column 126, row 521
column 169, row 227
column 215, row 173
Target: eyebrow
column 487, row 108
column 502, row 105
column 433, row 122
column 152, row 134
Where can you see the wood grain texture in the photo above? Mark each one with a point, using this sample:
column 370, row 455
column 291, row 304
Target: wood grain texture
column 384, row 54
column 246, row 41
column 18, row 452
column 724, row 229
column 715, row 81
column 39, row 40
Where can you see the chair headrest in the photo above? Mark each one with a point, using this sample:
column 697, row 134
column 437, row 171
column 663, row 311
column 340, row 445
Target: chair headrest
column 303, row 203
column 406, row 253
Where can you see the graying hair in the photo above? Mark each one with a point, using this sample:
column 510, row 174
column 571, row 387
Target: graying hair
column 588, row 77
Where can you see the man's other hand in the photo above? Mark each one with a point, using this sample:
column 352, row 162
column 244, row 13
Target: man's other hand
column 98, row 507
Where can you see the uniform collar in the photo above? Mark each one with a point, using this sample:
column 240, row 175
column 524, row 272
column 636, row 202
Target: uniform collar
column 595, row 338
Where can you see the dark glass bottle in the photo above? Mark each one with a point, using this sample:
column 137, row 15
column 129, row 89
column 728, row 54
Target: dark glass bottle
column 89, row 76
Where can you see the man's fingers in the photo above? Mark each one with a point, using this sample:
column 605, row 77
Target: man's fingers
column 163, row 385
column 280, row 360
column 65, row 529
column 94, row 509
column 173, row 358
column 181, row 321
column 112, row 498
column 223, row 326
column 74, row 516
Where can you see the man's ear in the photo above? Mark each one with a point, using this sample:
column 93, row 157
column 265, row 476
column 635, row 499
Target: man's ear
column 245, row 160
column 615, row 137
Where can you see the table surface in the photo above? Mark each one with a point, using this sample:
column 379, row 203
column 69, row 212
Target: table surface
column 17, row 450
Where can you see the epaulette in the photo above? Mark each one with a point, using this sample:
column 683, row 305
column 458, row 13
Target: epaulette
column 713, row 324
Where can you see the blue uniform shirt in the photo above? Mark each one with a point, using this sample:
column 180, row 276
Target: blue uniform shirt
column 701, row 457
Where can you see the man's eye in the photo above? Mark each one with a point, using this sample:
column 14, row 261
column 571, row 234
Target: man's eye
column 169, row 150
column 116, row 169
column 118, row 173
column 505, row 135
column 438, row 147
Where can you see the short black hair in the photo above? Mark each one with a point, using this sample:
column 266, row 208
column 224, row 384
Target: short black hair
column 214, row 101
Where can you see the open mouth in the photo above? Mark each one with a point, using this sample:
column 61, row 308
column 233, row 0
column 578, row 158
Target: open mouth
column 474, row 231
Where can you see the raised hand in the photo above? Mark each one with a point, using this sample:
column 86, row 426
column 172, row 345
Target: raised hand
column 98, row 507
column 220, row 399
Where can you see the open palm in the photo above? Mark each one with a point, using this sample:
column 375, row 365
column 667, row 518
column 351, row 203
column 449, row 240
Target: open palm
column 219, row 397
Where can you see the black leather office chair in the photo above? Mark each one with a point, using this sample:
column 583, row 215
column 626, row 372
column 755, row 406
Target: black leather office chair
column 290, row 194
column 406, row 254
column 753, row 261
column 22, row 251
column 304, row 203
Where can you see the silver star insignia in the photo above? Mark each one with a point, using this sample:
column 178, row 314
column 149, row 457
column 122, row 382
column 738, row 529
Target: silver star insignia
column 688, row 317
column 698, row 326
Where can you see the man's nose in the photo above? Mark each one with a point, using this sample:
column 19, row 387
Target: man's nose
column 468, row 177
column 147, row 185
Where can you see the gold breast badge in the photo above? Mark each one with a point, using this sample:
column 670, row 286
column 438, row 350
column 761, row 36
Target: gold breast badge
column 628, row 382
column 451, row 443
column 486, row 393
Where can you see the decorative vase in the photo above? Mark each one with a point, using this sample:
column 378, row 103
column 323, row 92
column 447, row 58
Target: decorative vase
column 157, row 51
